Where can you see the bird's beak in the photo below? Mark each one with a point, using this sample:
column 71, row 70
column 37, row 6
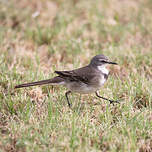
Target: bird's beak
column 112, row 63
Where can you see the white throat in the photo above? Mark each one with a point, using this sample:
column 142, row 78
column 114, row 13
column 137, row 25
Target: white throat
column 103, row 69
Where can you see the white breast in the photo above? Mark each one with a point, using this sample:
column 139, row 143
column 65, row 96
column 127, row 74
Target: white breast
column 103, row 69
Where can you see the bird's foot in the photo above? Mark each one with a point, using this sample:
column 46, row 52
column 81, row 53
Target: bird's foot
column 114, row 101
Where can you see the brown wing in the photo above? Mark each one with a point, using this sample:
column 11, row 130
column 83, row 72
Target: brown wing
column 84, row 74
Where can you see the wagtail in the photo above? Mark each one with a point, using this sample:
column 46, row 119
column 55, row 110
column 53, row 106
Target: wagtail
column 85, row 80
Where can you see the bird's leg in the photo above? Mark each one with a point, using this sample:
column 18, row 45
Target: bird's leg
column 66, row 94
column 111, row 101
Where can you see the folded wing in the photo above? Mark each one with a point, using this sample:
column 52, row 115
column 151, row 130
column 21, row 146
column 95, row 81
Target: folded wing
column 82, row 74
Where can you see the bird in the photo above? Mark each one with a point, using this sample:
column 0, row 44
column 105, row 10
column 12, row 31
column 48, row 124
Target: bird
column 84, row 80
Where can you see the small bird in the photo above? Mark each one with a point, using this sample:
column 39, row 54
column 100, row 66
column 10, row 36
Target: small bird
column 85, row 80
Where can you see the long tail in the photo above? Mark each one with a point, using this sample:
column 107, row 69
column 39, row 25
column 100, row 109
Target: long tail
column 54, row 81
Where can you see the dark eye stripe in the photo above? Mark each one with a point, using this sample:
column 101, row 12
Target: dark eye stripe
column 103, row 61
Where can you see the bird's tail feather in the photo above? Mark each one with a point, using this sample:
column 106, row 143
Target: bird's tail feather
column 54, row 81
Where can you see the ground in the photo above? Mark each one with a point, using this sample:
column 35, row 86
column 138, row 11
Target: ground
column 40, row 36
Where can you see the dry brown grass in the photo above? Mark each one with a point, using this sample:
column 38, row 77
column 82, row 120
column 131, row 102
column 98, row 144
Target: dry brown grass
column 38, row 37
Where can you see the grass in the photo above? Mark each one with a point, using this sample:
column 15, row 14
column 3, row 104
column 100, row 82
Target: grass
column 38, row 37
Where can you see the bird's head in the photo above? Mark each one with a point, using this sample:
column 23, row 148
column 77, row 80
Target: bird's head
column 100, row 60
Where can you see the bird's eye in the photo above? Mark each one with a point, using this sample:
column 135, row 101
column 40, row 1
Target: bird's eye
column 103, row 61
